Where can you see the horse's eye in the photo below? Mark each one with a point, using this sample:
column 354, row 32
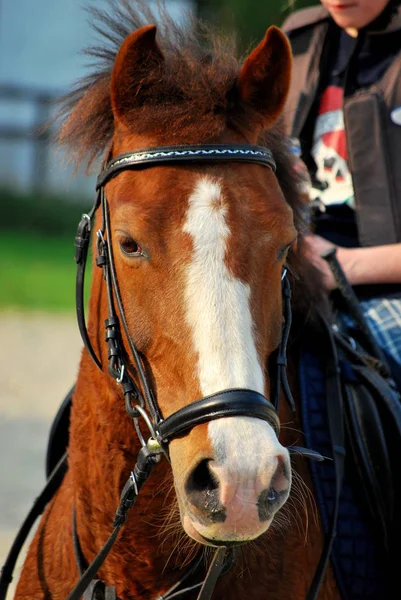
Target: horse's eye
column 284, row 250
column 282, row 253
column 130, row 247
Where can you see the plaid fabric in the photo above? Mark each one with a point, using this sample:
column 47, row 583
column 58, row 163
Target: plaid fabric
column 384, row 318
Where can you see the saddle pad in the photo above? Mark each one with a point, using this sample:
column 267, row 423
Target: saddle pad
column 355, row 559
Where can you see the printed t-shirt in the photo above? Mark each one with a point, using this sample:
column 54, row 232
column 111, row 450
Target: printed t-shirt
column 337, row 222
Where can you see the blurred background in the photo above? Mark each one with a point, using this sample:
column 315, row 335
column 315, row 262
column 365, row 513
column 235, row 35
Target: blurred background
column 41, row 201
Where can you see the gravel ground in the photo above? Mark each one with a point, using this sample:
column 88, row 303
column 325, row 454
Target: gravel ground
column 38, row 364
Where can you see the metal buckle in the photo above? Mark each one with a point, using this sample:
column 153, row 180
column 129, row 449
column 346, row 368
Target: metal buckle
column 120, row 378
column 87, row 218
column 100, row 242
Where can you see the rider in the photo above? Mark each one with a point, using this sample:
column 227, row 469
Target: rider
column 344, row 108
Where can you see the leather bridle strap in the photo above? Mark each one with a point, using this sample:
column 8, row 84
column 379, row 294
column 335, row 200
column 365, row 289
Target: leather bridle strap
column 154, row 157
column 82, row 240
column 213, row 574
column 229, row 403
column 53, row 483
column 143, row 468
column 113, row 289
column 281, row 361
column 335, row 416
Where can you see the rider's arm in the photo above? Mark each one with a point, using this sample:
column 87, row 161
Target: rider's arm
column 374, row 265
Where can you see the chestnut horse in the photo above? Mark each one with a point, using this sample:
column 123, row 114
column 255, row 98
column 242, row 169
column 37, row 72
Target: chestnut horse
column 199, row 250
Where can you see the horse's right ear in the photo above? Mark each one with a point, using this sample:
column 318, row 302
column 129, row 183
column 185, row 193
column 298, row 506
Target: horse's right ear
column 139, row 62
column 264, row 79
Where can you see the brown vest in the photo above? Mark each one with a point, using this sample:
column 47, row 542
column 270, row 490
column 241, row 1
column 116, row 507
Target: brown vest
column 373, row 139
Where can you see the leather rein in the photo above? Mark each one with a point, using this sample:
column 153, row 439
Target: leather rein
column 127, row 368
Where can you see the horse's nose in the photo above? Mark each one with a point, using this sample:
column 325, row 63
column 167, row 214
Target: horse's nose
column 217, row 494
column 203, row 492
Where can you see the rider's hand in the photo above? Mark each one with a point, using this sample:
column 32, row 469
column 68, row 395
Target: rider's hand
column 316, row 246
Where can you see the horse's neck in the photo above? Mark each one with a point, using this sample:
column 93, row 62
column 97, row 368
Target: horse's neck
column 103, row 451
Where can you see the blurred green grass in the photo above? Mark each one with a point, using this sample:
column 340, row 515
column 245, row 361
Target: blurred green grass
column 37, row 272
column 37, row 268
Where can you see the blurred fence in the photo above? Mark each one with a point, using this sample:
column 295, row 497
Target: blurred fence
column 28, row 160
column 23, row 113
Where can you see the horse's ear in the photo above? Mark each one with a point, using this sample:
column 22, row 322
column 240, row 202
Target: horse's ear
column 265, row 77
column 138, row 64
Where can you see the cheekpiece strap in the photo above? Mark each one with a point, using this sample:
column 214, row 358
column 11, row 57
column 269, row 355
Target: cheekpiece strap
column 149, row 157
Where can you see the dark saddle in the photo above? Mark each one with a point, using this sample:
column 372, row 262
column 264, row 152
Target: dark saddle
column 59, row 434
column 372, row 417
column 372, row 413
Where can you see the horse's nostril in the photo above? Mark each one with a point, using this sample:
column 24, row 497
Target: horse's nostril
column 203, row 492
column 269, row 502
column 201, row 478
column 271, row 499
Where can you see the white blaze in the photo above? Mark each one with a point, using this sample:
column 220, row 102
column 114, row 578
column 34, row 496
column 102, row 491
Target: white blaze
column 218, row 312
column 217, row 304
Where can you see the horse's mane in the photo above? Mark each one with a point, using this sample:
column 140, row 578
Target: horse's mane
column 202, row 69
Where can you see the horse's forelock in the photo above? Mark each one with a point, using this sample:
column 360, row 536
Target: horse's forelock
column 201, row 69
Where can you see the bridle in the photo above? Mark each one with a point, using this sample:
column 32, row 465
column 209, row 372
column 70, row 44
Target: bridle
column 140, row 400
column 127, row 368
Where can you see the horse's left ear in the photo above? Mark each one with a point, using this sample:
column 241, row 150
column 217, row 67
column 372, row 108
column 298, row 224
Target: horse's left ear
column 137, row 69
column 265, row 77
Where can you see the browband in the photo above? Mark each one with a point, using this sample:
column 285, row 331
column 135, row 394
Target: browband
column 229, row 403
column 149, row 157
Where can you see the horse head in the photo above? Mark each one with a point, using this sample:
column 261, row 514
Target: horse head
column 199, row 253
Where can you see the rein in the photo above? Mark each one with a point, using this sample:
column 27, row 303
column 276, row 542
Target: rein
column 140, row 398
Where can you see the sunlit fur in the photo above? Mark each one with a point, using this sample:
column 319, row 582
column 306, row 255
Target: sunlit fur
column 183, row 86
